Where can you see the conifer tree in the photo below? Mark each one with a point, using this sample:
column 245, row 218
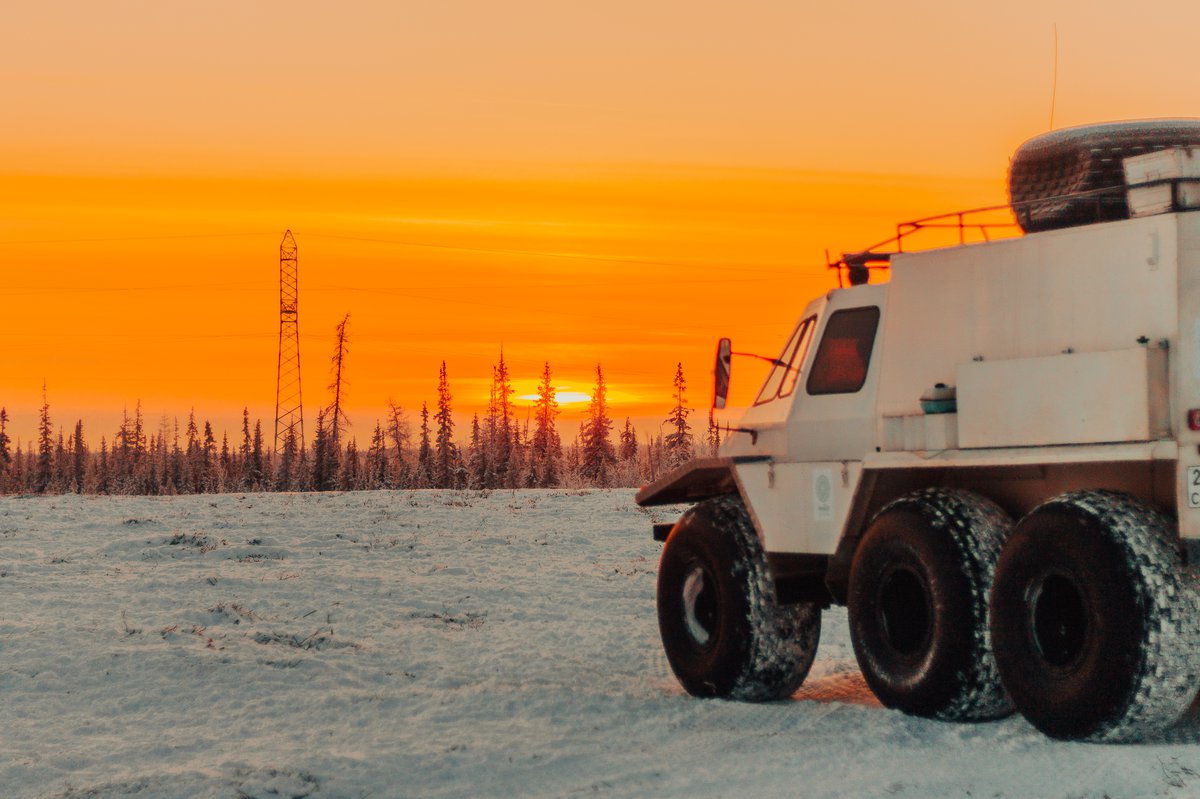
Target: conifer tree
column 713, row 437
column 378, row 472
column 324, row 465
column 337, row 413
column 444, row 456
column 45, row 453
column 546, row 446
column 5, row 452
column 424, row 475
column 79, row 458
column 243, row 458
column 502, row 441
column 285, row 474
column 258, row 468
column 209, row 465
column 597, row 454
column 193, row 457
column 175, row 468
column 19, row 472
column 225, row 469
column 678, row 442
column 61, row 469
column 490, row 434
column 477, row 457
column 350, row 473
column 627, row 450
column 102, row 474
column 399, row 433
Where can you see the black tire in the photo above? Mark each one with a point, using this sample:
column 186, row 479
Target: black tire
column 918, row 603
column 1049, row 168
column 723, row 631
column 1095, row 624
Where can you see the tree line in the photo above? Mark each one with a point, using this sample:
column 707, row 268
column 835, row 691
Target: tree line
column 500, row 450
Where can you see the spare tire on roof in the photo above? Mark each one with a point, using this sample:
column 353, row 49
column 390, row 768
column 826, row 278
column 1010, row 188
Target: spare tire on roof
column 1049, row 168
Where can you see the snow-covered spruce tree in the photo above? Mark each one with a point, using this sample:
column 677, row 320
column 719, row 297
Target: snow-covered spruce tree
column 627, row 448
column 444, row 452
column 103, row 476
column 19, row 477
column 79, row 458
column 400, row 434
column 193, row 469
column 242, row 468
column 501, row 454
column 518, row 456
column 597, row 454
column 337, row 414
column 210, row 481
column 378, row 473
column 43, row 471
column 5, row 453
column 678, row 443
column 546, row 447
column 713, row 437
column 424, row 474
column 476, row 457
column 174, row 479
column 350, row 474
column 140, row 467
column 289, row 457
column 257, row 471
column 225, row 464
column 60, row 469
column 324, row 474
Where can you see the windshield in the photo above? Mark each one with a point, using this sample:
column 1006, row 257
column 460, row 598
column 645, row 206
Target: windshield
column 782, row 380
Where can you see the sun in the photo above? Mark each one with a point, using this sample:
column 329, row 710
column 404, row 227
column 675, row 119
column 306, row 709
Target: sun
column 562, row 397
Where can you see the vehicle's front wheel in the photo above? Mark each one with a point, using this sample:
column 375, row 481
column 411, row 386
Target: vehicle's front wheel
column 724, row 633
column 1095, row 624
column 918, row 605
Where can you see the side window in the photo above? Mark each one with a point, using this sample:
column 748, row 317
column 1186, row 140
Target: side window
column 840, row 366
column 782, row 379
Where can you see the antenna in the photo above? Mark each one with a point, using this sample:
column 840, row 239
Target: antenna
column 1054, row 83
column 289, row 409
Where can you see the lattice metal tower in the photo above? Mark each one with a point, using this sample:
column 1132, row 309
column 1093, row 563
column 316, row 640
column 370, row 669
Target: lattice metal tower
column 289, row 409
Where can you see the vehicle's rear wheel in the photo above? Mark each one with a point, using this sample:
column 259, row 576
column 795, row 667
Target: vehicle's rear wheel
column 1095, row 625
column 723, row 631
column 918, row 603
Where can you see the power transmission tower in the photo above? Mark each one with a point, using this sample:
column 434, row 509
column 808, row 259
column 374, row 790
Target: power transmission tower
column 289, row 409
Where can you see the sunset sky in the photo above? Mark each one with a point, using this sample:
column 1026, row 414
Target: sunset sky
column 616, row 182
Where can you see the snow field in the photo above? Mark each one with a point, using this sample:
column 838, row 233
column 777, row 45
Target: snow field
column 436, row 644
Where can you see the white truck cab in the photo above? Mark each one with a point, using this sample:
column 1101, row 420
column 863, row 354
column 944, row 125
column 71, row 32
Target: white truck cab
column 993, row 459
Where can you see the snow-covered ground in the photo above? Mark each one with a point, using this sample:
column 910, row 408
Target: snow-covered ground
column 427, row 644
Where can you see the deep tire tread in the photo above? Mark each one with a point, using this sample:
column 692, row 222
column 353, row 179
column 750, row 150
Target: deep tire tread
column 977, row 528
column 779, row 642
column 1167, row 670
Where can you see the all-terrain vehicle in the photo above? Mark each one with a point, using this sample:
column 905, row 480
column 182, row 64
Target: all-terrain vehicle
column 992, row 459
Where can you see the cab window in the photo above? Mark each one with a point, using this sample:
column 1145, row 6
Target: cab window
column 782, row 380
column 840, row 366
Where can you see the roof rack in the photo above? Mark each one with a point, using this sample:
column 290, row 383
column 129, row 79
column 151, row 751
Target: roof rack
column 854, row 267
column 1176, row 193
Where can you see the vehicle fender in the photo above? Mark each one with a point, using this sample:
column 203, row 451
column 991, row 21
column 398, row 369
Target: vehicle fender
column 696, row 480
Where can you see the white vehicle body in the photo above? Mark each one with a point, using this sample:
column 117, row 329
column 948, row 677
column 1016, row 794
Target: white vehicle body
column 1075, row 354
column 1066, row 351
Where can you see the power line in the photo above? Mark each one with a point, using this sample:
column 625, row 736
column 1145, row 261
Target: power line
column 134, row 238
column 621, row 259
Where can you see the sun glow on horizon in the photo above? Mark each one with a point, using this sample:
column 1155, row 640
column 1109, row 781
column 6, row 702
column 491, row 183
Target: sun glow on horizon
column 561, row 397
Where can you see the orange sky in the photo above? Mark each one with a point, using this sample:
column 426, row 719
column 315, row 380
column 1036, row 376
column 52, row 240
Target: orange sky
column 577, row 182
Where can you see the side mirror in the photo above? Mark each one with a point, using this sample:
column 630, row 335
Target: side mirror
column 721, row 373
